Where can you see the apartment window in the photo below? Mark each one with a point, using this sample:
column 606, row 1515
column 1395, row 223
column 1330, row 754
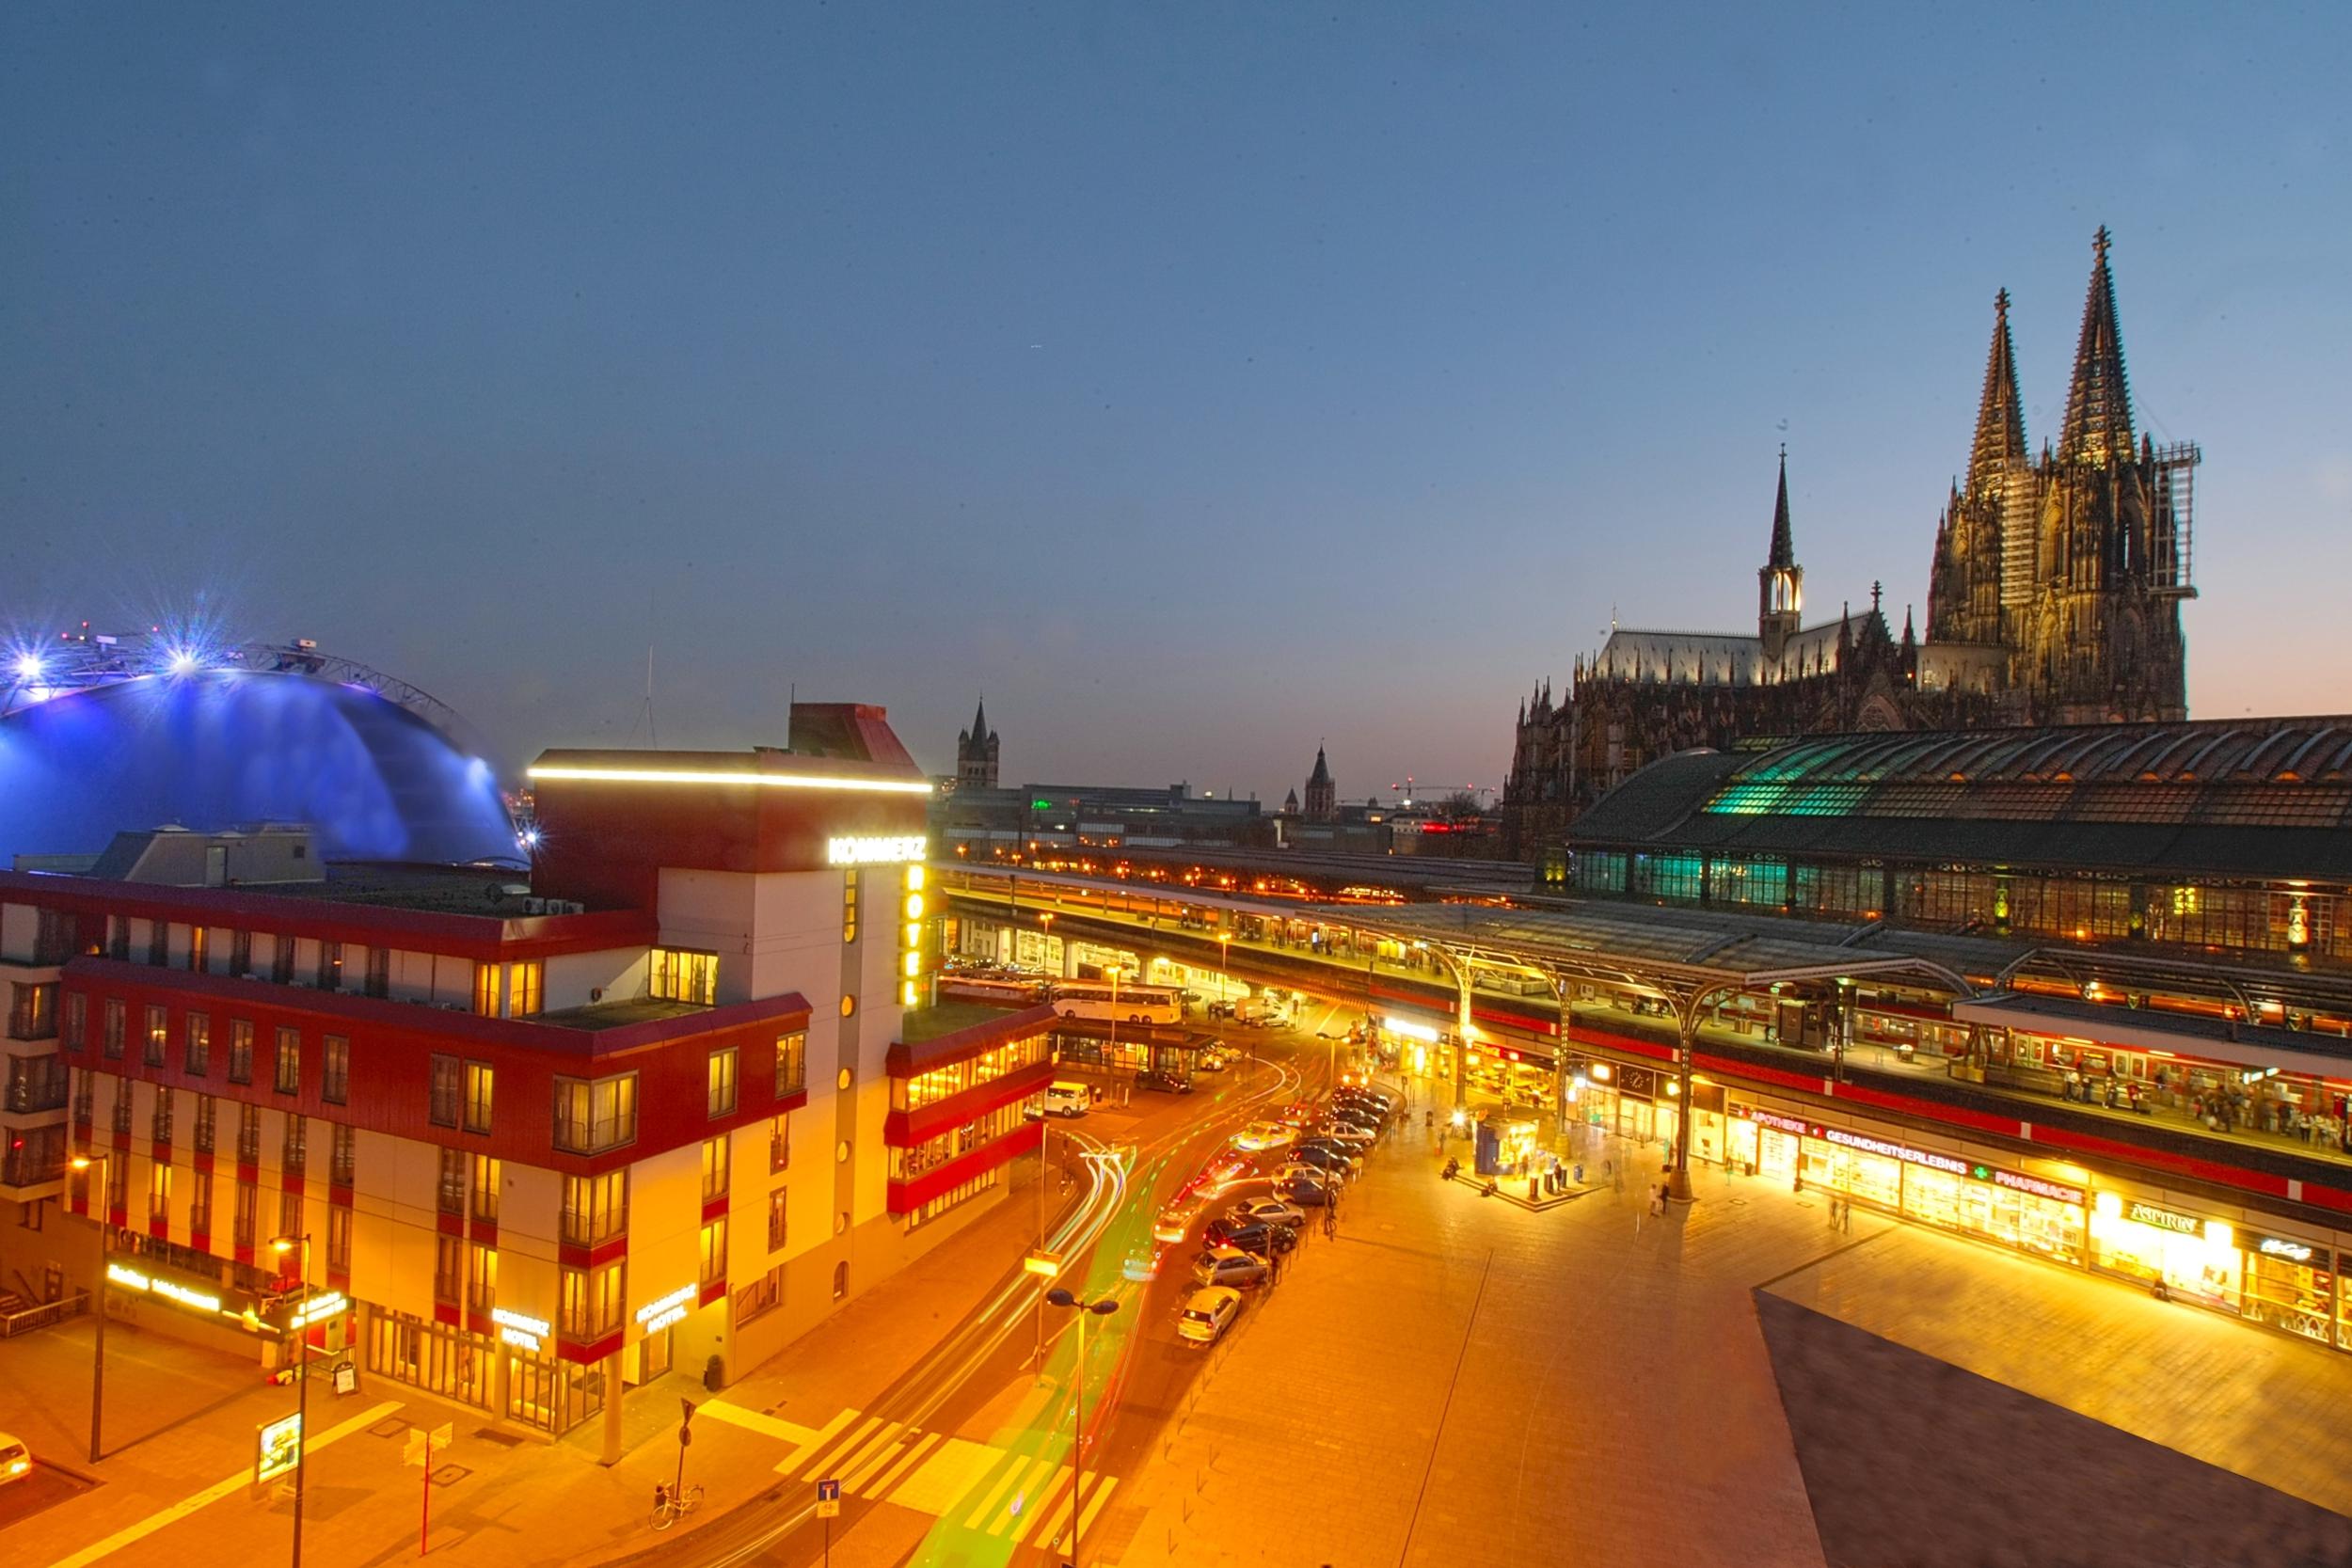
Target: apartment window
column 118, row 1185
column 158, row 1194
column 116, row 1022
column 248, row 1212
column 206, row 1109
column 200, row 947
column 453, row 1182
column 240, row 1051
column 486, row 1189
column 478, row 1083
column 779, row 1143
column 482, row 1279
column 248, row 1136
column 156, row 1037
column 33, row 1016
column 379, row 972
column 84, row 1092
column 338, row 1238
column 717, row 1159
column 849, row 906
column 335, row 1069
column 446, row 1086
column 485, row 989
column 592, row 1301
column 791, row 1063
column 281, row 958
column 287, row 1066
column 595, row 1208
column 240, row 953
column 158, row 942
column 118, row 937
column 776, row 1224
column 449, row 1269
column 201, row 1204
column 346, row 1157
column 681, row 975
column 197, row 1043
column 595, row 1114
column 294, row 1158
column 525, row 984
column 762, row 1295
column 330, row 965
column 720, row 1081
column 77, row 1022
column 159, row 1124
column 121, row 1119
column 290, row 1215
column 52, row 937
column 714, row 1242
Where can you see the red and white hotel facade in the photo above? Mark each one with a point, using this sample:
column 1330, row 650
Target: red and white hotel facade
column 538, row 1157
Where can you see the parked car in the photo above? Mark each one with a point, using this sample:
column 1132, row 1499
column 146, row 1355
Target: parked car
column 1347, row 1133
column 1335, row 1163
column 1207, row 1314
column 1266, row 1210
column 1308, row 1187
column 16, row 1460
column 1255, row 1237
column 1167, row 1083
column 1228, row 1265
column 1348, row 1151
column 1364, row 1102
column 1363, row 1121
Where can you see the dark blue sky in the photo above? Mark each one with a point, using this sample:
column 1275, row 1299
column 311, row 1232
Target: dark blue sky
column 1199, row 381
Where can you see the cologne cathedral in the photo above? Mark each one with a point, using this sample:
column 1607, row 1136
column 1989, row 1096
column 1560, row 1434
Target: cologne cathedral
column 2053, row 598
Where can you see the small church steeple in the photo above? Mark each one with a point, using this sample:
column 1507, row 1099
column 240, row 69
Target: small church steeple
column 975, row 752
column 1780, row 582
column 1323, row 796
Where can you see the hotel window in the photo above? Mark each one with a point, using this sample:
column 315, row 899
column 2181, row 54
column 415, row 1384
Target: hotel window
column 482, row 1279
column 240, row 1051
column 122, row 1116
column 248, row 1212
column 330, row 965
column 240, row 953
column 158, row 942
column 680, row 976
column 206, row 1110
column 714, row 1251
column 719, row 1097
column 33, row 1016
column 486, row 1189
column 77, row 1022
column 200, row 947
column 445, row 1089
column 84, row 1092
column 716, row 1162
column 118, row 1185
column 116, row 1022
column 379, row 981
column 52, row 937
column 281, row 958
column 595, row 1114
column 849, row 906
column 294, row 1157
column 287, row 1066
column 776, row 1219
column 485, row 989
column 197, row 1043
column 454, row 1163
column 478, row 1086
column 335, row 1069
column 248, row 1136
column 449, row 1269
column 779, row 1143
column 158, row 1035
column 345, row 1157
column 201, row 1204
column 526, row 985
column 158, row 1194
column 764, row 1295
column 159, row 1124
column 592, row 1301
column 290, row 1217
column 791, row 1063
column 338, row 1238
column 595, row 1208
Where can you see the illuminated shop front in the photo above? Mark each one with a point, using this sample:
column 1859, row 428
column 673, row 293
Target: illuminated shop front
column 2187, row 1254
column 1630, row 1100
column 2291, row 1284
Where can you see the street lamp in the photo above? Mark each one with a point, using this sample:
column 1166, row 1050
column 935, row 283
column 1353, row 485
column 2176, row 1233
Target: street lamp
column 1063, row 1299
column 1113, row 970
column 1224, row 945
column 104, row 1164
column 1045, row 937
column 282, row 1245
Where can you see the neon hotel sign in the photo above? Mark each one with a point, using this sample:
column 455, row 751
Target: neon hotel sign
column 890, row 851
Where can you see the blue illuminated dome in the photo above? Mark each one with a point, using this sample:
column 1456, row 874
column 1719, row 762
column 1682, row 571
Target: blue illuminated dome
column 212, row 749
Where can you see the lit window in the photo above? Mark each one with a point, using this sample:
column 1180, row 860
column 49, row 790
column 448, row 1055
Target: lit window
column 721, row 1086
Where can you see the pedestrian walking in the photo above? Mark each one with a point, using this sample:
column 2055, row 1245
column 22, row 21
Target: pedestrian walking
column 1845, row 1215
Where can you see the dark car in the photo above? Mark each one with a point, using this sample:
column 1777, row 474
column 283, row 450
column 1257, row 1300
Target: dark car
column 1378, row 1098
column 1354, row 1105
column 1307, row 1192
column 1326, row 1159
column 1167, row 1083
column 1356, row 1116
column 1255, row 1237
column 1352, row 1159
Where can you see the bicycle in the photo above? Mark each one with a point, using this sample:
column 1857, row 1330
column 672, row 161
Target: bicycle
column 669, row 1505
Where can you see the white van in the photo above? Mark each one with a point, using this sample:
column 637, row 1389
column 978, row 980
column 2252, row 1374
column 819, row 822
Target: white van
column 1068, row 1100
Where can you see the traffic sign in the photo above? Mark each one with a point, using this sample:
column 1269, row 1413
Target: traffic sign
column 828, row 1499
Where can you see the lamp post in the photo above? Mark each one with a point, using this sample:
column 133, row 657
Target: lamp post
column 282, row 1245
column 1045, row 937
column 1224, row 945
column 103, row 1166
column 1113, row 972
column 1063, row 1299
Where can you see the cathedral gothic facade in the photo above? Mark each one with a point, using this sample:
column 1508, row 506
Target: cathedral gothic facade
column 2054, row 597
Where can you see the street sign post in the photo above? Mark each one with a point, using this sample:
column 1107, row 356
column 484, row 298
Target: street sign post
column 828, row 1509
column 277, row 1448
column 419, row 1450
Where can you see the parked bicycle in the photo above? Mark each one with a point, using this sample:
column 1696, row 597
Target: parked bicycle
column 668, row 1505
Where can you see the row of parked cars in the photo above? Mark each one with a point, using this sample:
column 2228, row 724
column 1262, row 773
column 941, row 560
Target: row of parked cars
column 1322, row 1157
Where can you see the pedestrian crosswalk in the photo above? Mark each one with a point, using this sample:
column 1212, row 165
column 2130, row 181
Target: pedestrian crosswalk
column 1024, row 1494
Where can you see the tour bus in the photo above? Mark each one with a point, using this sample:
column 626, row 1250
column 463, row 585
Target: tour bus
column 1123, row 1004
column 1002, row 991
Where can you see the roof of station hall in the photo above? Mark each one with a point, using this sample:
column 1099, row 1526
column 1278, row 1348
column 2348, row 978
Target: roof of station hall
column 2251, row 798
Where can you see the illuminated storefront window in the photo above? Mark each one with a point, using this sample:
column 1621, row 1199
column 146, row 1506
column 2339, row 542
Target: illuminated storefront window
column 2187, row 1254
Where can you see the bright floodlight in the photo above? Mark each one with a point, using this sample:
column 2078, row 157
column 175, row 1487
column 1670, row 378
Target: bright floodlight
column 183, row 661
column 28, row 667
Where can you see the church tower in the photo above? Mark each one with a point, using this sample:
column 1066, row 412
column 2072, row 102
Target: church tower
column 1779, row 584
column 1985, row 538
column 975, row 752
column 1323, row 796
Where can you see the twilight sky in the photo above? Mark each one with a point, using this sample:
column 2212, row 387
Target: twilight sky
column 1199, row 381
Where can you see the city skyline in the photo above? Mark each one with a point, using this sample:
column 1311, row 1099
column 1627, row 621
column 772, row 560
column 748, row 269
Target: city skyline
column 905, row 359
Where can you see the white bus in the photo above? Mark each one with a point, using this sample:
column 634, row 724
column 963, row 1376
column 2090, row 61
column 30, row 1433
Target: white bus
column 1131, row 1004
column 1002, row 991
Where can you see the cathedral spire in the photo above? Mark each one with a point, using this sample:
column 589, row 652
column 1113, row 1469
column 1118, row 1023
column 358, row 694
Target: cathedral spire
column 1784, row 546
column 2099, row 405
column 979, row 721
column 2000, row 417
